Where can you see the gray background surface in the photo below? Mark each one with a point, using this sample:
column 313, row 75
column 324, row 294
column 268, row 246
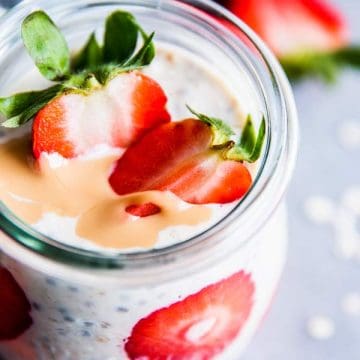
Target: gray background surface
column 315, row 280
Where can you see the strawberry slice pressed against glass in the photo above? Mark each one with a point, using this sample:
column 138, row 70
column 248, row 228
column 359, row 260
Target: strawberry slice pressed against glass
column 14, row 307
column 197, row 327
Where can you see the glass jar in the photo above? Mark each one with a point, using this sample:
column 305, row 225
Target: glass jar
column 199, row 299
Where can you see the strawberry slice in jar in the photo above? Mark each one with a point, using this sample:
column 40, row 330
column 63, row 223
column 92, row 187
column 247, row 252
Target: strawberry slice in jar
column 198, row 327
column 14, row 307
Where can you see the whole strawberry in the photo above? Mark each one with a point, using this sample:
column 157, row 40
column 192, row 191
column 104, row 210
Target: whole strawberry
column 100, row 97
column 310, row 37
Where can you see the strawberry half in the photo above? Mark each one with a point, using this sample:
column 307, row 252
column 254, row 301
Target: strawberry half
column 117, row 115
column 14, row 307
column 100, row 97
column 294, row 26
column 194, row 159
column 198, row 327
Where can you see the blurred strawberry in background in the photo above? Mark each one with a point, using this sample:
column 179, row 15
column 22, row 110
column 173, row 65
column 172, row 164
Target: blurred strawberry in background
column 310, row 37
column 292, row 26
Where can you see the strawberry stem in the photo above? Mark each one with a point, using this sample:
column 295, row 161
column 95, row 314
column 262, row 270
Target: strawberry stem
column 221, row 131
column 249, row 146
column 91, row 82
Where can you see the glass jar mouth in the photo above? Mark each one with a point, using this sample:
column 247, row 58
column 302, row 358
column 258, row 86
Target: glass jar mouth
column 273, row 174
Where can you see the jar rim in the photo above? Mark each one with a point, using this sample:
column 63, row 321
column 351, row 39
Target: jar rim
column 268, row 187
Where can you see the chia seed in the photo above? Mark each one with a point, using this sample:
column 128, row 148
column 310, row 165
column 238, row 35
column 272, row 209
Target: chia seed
column 36, row 306
column 105, row 325
column 61, row 331
column 85, row 333
column 73, row 288
column 51, row 281
column 68, row 318
column 62, row 311
column 122, row 309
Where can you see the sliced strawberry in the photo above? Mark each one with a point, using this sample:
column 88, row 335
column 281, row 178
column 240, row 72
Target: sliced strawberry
column 143, row 210
column 296, row 26
column 14, row 307
column 181, row 157
column 117, row 115
column 198, row 327
column 212, row 181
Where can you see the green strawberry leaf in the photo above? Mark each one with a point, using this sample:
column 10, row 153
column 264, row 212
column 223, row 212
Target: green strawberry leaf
column 310, row 65
column 121, row 59
column 39, row 101
column 145, row 55
column 149, row 54
column 325, row 66
column 348, row 56
column 259, row 142
column 106, row 73
column 248, row 136
column 221, row 131
column 46, row 45
column 120, row 39
column 16, row 104
column 89, row 57
column 250, row 145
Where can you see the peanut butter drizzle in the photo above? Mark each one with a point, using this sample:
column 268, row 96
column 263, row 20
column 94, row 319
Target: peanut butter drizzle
column 110, row 213
column 80, row 189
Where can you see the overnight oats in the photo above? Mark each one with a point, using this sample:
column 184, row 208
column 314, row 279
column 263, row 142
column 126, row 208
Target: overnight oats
column 143, row 159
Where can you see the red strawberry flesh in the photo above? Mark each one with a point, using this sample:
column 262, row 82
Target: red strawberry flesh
column 14, row 307
column 116, row 115
column 177, row 157
column 148, row 160
column 198, row 327
column 143, row 210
